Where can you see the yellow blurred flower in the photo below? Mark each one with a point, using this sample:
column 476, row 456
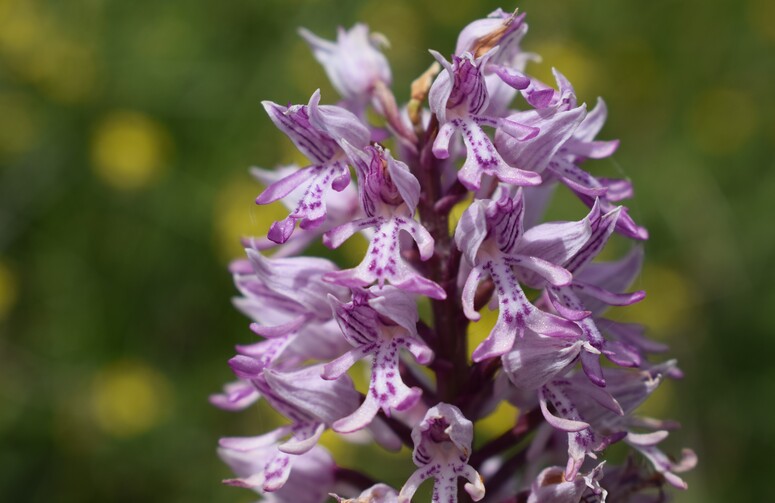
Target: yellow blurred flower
column 129, row 398
column 22, row 25
column 129, row 150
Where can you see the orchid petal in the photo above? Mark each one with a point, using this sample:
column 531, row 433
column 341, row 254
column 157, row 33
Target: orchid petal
column 554, row 274
column 535, row 154
column 284, row 186
column 294, row 122
column 337, row 368
column 442, row 446
column 515, row 79
column 558, row 242
column 304, row 438
column 306, row 391
column 538, row 359
column 610, row 298
column 469, row 293
column 569, row 425
column 471, row 230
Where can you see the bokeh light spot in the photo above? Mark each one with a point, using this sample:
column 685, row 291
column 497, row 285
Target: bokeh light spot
column 721, row 120
column 129, row 398
column 21, row 27
column 129, row 150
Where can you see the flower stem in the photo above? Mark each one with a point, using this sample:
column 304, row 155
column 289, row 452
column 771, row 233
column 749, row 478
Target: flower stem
column 449, row 323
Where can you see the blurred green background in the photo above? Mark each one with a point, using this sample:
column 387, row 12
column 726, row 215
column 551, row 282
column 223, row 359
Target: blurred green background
column 126, row 131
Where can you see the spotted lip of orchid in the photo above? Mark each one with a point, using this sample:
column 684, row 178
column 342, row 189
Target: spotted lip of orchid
column 341, row 207
column 480, row 147
column 491, row 236
column 458, row 98
column 318, row 132
column 389, row 195
column 442, row 446
column 564, row 397
column 378, row 323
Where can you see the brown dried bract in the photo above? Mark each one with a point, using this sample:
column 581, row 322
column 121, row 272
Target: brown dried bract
column 487, row 42
column 419, row 92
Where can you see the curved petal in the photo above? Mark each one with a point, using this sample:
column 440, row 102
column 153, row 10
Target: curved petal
column 558, row 422
column 469, row 293
column 554, row 274
column 303, row 439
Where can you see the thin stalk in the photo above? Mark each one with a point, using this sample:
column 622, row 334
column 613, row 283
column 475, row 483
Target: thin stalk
column 451, row 346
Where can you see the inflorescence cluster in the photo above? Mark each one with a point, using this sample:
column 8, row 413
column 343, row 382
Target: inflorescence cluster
column 458, row 143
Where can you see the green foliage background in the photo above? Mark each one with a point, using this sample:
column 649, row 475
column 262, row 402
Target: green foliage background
column 126, row 131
